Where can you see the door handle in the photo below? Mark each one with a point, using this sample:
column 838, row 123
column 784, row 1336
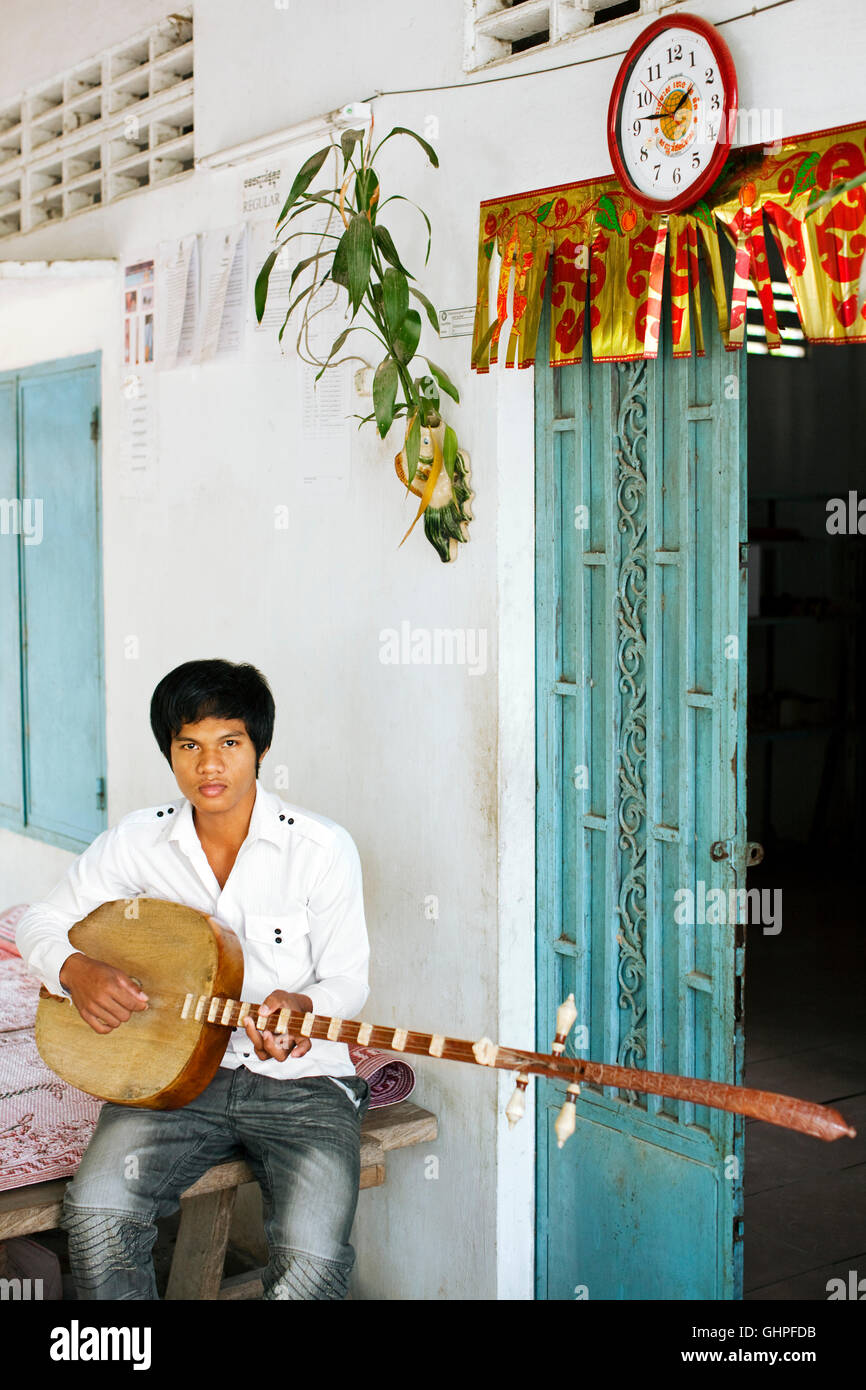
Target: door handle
column 753, row 852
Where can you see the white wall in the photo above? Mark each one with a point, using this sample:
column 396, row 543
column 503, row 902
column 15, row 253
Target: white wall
column 430, row 768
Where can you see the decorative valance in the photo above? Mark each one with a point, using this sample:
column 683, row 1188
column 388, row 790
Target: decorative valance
column 607, row 257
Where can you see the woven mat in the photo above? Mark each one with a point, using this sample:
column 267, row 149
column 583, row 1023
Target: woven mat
column 45, row 1124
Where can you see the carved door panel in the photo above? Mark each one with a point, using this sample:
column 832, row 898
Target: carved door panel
column 641, row 692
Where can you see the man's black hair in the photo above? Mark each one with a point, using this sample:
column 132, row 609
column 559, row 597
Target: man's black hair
column 212, row 689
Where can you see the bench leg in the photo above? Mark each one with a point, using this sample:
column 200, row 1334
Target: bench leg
column 200, row 1252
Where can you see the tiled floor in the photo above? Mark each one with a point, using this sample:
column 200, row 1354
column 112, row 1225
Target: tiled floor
column 805, row 1200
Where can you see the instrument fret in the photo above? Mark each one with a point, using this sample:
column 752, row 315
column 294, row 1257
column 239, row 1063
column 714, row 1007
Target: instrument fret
column 806, row 1116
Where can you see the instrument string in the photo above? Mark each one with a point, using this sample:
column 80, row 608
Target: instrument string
column 381, row 1036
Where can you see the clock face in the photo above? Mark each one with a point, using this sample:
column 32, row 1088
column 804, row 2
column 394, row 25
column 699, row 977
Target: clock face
column 671, row 113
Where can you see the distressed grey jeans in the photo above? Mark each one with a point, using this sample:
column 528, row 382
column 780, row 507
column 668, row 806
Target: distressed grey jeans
column 302, row 1140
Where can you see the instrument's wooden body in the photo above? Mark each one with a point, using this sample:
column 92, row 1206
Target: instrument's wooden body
column 156, row 1059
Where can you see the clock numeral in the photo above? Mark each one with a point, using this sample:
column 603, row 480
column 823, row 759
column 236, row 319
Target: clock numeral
column 709, row 76
column 692, row 56
column 657, row 168
column 675, row 54
column 677, row 175
column 644, row 154
column 715, row 101
column 657, row 69
column 696, row 161
column 645, row 99
column 711, row 132
column 635, row 129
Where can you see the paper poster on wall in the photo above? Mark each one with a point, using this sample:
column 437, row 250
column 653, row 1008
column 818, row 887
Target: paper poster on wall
column 260, row 194
column 138, row 282
column 223, row 294
column 177, row 278
column 138, row 434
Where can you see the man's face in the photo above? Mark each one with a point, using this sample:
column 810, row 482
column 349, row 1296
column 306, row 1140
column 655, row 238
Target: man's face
column 214, row 762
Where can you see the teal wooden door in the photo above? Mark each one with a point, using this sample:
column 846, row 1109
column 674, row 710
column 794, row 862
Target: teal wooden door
column 641, row 694
column 52, row 684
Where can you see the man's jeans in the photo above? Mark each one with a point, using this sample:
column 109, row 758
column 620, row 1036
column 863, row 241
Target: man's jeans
column 302, row 1140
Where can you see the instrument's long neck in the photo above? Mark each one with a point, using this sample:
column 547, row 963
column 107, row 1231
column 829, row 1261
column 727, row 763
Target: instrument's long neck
column 805, row 1116
column 231, row 1013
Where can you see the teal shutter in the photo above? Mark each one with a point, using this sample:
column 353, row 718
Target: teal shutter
column 62, row 672
column 641, row 692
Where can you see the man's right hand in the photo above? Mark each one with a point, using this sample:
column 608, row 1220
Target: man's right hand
column 104, row 996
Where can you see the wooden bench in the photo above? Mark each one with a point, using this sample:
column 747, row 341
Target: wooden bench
column 207, row 1207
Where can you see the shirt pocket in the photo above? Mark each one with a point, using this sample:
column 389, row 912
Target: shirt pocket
column 280, row 939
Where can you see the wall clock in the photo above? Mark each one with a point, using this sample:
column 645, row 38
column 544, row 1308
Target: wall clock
column 672, row 113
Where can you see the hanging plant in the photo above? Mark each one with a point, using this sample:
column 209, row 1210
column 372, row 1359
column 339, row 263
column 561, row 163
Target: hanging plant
column 356, row 254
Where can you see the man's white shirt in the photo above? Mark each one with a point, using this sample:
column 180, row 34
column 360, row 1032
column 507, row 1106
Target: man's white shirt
column 294, row 897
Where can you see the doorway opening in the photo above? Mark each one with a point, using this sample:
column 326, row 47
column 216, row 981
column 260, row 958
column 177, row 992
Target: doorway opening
column 805, row 999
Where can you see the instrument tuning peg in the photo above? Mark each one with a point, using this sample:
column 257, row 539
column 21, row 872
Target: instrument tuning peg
column 565, row 1016
column 516, row 1107
column 566, row 1119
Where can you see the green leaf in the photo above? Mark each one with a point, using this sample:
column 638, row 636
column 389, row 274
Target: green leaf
column 413, row 447
column 303, row 178
column 403, row 130
column 262, row 279
column 607, row 215
column 805, row 176
column 398, row 197
column 340, row 264
column 385, row 394
column 301, row 267
column 407, row 336
column 488, row 247
column 544, row 211
column 359, row 257
column 449, row 451
column 427, row 390
column 348, row 141
column 431, row 312
column 366, row 183
column 444, row 381
column 296, row 301
column 335, row 348
column 389, row 251
column 395, row 298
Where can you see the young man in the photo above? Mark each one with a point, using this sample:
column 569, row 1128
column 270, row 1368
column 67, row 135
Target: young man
column 288, row 883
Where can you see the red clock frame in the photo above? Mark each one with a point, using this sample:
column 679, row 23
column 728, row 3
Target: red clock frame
column 725, row 64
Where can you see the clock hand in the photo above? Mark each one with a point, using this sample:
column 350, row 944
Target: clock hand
column 685, row 94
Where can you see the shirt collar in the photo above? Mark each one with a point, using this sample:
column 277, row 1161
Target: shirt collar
column 264, row 822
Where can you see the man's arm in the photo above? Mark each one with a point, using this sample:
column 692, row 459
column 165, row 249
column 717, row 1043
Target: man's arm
column 103, row 995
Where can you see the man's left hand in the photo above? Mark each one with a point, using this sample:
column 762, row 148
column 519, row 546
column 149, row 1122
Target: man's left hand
column 279, row 1046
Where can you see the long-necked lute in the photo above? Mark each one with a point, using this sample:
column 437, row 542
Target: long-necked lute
column 192, row 971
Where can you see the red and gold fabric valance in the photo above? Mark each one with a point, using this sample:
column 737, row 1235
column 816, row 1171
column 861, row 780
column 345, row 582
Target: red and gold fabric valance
column 607, row 257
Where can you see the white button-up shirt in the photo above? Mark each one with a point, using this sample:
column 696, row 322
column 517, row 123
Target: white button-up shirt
column 294, row 898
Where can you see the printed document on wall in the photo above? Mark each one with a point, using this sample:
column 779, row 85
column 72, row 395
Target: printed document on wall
column 224, row 292
column 177, row 274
